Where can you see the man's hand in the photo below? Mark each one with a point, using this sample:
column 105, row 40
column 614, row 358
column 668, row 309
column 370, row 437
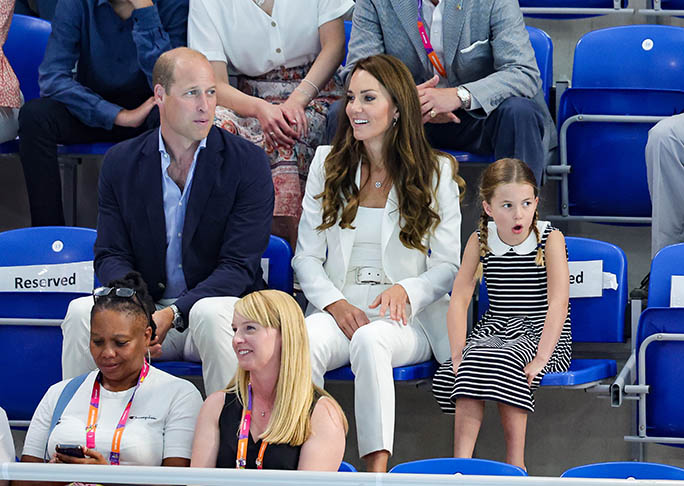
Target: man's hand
column 135, row 117
column 163, row 318
column 348, row 317
column 437, row 104
column 140, row 3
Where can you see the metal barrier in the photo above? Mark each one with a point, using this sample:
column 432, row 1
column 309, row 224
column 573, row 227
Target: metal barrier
column 185, row 475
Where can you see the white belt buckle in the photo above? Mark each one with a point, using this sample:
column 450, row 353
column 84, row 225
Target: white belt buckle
column 368, row 276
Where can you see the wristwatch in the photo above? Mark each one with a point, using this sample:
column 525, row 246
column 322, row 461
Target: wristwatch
column 464, row 95
column 178, row 322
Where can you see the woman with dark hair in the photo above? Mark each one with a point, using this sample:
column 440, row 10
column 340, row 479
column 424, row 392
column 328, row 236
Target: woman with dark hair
column 126, row 411
column 379, row 246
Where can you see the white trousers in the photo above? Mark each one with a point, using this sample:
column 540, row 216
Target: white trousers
column 208, row 340
column 665, row 169
column 373, row 351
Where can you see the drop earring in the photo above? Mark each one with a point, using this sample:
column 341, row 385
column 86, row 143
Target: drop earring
column 394, row 122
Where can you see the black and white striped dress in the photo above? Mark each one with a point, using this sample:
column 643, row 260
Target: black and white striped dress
column 505, row 339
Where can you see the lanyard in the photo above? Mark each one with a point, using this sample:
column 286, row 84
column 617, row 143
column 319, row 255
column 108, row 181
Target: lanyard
column 118, row 432
column 245, row 422
column 431, row 54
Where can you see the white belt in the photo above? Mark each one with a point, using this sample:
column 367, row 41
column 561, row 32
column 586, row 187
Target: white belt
column 368, row 276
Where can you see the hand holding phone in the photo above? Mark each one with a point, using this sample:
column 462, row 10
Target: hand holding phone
column 73, row 450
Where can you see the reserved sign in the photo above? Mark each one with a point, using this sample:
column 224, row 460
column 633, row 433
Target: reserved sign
column 677, row 291
column 74, row 277
column 586, row 278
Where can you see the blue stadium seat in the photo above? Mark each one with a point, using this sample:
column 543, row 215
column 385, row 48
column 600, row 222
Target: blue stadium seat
column 668, row 262
column 277, row 273
column 452, row 465
column 543, row 51
column 24, row 50
column 624, row 80
column 656, row 359
column 594, row 319
column 30, row 336
column 346, row 467
column 625, row 470
column 573, row 9
column 420, row 371
column 347, row 35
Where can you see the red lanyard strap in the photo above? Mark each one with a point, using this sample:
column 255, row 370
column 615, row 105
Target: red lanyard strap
column 245, row 424
column 93, row 411
column 431, row 54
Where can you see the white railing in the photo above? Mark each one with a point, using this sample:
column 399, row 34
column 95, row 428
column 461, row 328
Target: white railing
column 184, row 475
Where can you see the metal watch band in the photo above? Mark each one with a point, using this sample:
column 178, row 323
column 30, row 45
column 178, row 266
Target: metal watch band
column 464, row 95
column 178, row 321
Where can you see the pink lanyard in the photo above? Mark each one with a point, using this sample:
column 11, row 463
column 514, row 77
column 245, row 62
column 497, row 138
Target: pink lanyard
column 245, row 423
column 431, row 54
column 93, row 412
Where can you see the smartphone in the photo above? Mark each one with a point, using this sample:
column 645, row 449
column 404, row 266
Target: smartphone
column 73, row 450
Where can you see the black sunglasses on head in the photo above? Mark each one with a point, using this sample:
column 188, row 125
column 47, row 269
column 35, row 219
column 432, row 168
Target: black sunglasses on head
column 125, row 293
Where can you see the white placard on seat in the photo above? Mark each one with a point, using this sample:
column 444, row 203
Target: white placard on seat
column 677, row 291
column 587, row 278
column 264, row 268
column 74, row 277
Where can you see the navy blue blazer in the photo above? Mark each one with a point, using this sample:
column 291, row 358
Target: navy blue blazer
column 227, row 220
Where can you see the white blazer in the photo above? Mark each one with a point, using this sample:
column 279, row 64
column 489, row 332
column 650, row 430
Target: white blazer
column 321, row 259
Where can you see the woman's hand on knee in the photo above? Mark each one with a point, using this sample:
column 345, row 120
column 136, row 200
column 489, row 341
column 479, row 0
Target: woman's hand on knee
column 295, row 114
column 348, row 317
column 276, row 129
column 393, row 299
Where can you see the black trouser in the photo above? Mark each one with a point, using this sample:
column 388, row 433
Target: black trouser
column 514, row 129
column 43, row 124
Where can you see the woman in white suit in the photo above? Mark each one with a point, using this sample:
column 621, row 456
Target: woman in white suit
column 379, row 246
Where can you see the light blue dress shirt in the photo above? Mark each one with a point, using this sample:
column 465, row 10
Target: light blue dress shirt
column 175, row 204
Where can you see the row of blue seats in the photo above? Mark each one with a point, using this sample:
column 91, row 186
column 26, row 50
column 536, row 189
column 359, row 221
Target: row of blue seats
column 29, row 320
column 30, row 337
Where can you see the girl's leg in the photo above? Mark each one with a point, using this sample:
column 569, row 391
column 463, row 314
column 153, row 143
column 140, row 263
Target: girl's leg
column 467, row 421
column 514, row 421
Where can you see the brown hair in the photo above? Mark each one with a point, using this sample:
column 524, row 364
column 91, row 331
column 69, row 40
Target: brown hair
column 505, row 171
column 411, row 162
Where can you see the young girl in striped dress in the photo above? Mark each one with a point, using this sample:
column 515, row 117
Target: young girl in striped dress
column 526, row 330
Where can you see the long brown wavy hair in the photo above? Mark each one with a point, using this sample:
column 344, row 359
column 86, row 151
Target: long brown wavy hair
column 412, row 164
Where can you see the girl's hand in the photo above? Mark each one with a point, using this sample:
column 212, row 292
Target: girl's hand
column 533, row 368
column 394, row 299
column 294, row 111
column 276, row 129
column 456, row 362
column 348, row 317
column 91, row 457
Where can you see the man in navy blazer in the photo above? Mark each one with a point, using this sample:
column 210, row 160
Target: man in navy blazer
column 189, row 207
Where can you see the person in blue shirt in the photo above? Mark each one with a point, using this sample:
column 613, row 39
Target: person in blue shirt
column 95, row 85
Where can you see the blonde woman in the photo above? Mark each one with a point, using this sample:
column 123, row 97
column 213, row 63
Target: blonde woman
column 270, row 416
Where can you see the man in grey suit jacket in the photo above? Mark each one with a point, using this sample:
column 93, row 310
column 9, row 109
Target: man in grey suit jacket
column 491, row 99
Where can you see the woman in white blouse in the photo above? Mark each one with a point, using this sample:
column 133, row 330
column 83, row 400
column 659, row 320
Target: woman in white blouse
column 285, row 54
